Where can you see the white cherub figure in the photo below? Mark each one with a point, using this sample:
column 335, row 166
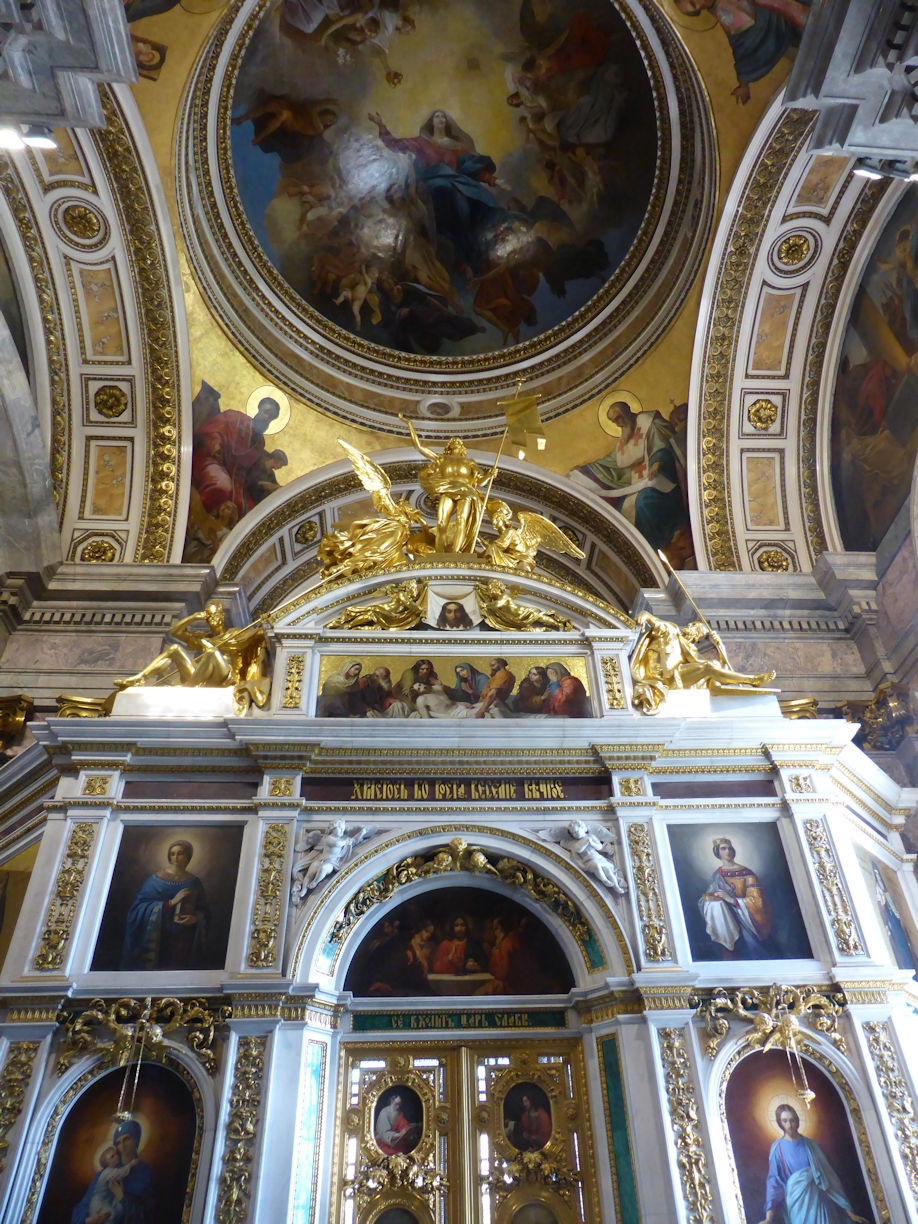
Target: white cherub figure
column 591, row 849
column 321, row 852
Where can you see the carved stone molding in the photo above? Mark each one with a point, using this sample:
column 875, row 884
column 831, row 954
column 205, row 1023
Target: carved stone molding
column 63, row 904
column 899, row 1100
column 14, row 1080
column 834, row 896
column 647, row 888
column 683, row 1115
column 241, row 1131
column 266, row 917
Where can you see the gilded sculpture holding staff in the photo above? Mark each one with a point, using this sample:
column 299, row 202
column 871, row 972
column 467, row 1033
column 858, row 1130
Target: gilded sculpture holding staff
column 461, row 491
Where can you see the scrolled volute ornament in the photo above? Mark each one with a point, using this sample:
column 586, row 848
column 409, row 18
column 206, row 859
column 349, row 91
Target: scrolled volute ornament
column 115, row 1028
column 774, row 1014
column 208, row 655
column 666, row 658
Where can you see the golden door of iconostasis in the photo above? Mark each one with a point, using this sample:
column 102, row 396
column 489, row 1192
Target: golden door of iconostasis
column 486, row 1132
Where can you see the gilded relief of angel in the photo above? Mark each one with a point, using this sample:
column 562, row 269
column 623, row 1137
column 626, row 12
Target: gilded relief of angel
column 403, row 606
column 371, row 542
column 516, row 547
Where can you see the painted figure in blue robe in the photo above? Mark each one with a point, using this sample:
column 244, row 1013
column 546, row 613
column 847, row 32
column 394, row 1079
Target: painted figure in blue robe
column 901, row 946
column 802, row 1187
column 759, row 33
column 123, row 1192
column 167, row 921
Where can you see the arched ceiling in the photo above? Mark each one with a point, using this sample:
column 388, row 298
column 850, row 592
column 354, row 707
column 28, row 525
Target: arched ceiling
column 124, row 322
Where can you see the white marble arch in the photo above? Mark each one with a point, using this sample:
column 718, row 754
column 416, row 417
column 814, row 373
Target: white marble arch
column 41, row 1122
column 308, row 958
column 272, row 552
column 850, row 1075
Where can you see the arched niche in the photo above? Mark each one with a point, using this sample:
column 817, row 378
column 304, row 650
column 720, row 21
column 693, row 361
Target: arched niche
column 76, row 1128
column 272, row 553
column 590, row 936
column 753, row 1085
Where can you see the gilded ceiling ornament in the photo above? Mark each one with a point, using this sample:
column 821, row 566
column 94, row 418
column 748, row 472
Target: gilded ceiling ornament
column 885, row 721
column 773, row 561
column 501, row 611
column 793, row 250
column 775, row 1015
column 762, row 414
column 306, row 532
column 221, row 658
column 110, row 401
column 122, row 1022
column 83, row 222
column 405, row 604
column 666, row 658
column 98, row 550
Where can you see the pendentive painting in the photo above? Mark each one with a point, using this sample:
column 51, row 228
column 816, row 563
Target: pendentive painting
column 492, row 686
column 795, row 1163
column 171, row 898
column 874, row 414
column 440, row 176
column 737, row 895
column 458, row 941
column 892, row 910
column 136, row 1171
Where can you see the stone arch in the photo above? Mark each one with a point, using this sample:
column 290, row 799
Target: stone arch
column 272, row 552
column 52, row 1112
column 323, row 945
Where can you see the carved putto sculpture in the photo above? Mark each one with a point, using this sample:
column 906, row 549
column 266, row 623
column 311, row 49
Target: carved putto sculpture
column 216, row 657
column 460, row 490
column 321, row 852
column 591, row 849
column 667, row 658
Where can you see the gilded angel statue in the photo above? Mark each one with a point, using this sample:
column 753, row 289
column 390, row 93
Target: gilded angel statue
column 516, row 547
column 501, row 611
column 403, row 605
column 372, row 542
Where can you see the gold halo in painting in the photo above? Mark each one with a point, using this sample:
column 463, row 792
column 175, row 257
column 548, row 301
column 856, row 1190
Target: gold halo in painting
column 616, row 397
column 269, row 392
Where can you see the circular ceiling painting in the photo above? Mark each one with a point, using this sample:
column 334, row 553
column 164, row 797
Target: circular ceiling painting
column 471, row 198
column 439, row 196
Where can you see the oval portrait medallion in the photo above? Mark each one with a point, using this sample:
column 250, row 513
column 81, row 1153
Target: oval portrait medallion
column 437, row 193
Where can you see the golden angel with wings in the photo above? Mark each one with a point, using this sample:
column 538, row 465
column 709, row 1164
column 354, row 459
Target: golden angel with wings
column 516, row 547
column 369, row 543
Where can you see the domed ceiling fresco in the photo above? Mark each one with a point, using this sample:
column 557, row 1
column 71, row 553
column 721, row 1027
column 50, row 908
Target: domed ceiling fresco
column 435, row 198
column 441, row 232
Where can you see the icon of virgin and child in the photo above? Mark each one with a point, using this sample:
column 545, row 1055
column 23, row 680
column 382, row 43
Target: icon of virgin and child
column 123, row 1191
